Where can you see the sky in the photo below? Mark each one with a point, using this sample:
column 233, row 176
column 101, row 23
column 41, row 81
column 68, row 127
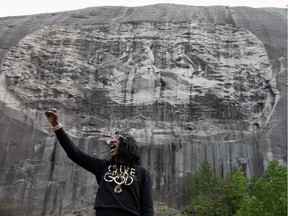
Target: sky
column 29, row 7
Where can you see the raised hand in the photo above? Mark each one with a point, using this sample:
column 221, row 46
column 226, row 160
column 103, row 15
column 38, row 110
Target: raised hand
column 52, row 117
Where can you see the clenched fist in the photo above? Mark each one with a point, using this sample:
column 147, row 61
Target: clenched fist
column 52, row 117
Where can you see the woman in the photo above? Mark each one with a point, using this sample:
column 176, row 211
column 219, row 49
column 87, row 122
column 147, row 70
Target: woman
column 124, row 186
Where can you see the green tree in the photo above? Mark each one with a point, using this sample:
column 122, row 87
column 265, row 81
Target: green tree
column 236, row 195
column 236, row 190
column 268, row 194
column 205, row 191
column 202, row 182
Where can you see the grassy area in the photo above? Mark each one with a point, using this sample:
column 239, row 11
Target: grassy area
column 161, row 209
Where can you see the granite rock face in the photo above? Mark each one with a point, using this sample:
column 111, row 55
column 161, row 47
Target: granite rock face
column 190, row 83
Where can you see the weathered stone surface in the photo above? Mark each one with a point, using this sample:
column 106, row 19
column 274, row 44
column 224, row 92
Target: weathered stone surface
column 191, row 83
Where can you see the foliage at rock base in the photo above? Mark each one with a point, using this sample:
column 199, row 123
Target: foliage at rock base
column 236, row 194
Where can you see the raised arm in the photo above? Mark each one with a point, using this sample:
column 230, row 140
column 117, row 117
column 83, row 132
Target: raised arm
column 84, row 160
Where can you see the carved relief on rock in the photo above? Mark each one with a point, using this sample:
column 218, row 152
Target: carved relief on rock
column 220, row 71
column 187, row 65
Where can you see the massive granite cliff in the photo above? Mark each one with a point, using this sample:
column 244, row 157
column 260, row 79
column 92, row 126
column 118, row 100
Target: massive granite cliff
column 190, row 83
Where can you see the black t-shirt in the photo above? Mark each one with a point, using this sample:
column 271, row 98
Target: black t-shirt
column 123, row 189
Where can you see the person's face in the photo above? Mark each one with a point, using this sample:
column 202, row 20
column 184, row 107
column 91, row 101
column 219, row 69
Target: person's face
column 114, row 146
column 180, row 49
column 128, row 47
column 146, row 46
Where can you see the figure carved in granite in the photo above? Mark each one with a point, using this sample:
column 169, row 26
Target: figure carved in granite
column 186, row 64
column 172, row 63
